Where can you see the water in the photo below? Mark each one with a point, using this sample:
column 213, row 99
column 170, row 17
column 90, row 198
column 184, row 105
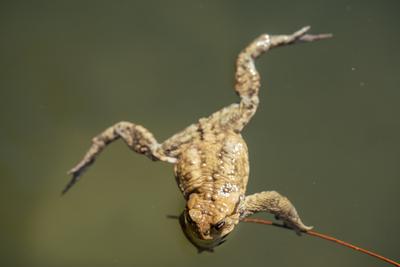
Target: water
column 326, row 133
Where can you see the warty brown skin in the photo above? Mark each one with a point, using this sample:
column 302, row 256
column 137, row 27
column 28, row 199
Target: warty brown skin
column 211, row 157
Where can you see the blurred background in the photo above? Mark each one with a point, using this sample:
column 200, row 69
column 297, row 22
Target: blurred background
column 326, row 133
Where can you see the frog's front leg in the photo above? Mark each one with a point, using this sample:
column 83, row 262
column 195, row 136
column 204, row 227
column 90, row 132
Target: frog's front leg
column 276, row 204
column 138, row 138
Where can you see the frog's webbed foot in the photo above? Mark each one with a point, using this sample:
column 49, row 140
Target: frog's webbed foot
column 276, row 204
column 138, row 138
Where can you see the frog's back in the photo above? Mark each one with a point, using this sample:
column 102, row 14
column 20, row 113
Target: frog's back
column 214, row 166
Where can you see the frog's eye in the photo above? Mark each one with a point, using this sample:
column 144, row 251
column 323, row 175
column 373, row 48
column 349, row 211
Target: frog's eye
column 219, row 225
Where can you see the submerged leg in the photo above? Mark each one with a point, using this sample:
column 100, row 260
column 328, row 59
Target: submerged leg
column 138, row 138
column 276, row 204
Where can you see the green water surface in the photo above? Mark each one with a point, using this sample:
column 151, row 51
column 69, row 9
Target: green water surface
column 326, row 133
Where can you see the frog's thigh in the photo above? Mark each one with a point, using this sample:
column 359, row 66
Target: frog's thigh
column 230, row 118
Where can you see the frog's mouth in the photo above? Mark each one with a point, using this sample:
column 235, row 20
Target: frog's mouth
column 200, row 244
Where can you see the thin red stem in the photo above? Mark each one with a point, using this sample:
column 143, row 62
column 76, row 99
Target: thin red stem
column 326, row 237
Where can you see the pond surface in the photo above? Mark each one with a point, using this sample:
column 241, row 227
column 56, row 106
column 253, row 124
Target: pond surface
column 326, row 133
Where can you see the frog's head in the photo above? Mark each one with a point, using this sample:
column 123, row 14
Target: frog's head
column 207, row 223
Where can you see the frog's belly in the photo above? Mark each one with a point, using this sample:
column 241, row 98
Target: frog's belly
column 214, row 168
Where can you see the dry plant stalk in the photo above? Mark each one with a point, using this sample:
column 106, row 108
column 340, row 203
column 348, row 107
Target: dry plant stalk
column 326, row 237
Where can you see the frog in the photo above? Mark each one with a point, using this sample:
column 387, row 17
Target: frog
column 210, row 157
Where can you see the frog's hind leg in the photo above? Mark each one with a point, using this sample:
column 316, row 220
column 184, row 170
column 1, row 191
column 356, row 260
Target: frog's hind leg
column 276, row 204
column 235, row 116
column 138, row 138
column 248, row 79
